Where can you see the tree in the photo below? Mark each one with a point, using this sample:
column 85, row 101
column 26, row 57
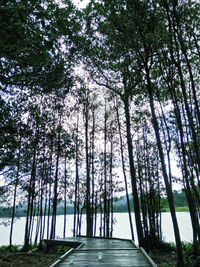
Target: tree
column 30, row 46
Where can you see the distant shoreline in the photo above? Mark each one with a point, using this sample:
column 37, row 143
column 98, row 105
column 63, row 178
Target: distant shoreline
column 177, row 209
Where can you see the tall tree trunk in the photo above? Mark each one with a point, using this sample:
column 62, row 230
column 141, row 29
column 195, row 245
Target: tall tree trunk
column 124, row 173
column 105, row 173
column 38, row 221
column 178, row 30
column 45, row 210
column 55, row 197
column 65, row 198
column 41, row 211
column 15, row 193
column 191, row 203
column 49, row 211
column 49, row 190
column 95, row 217
column 165, row 175
column 108, row 223
column 31, row 193
column 143, row 197
column 92, row 163
column 177, row 64
column 76, row 193
column 88, row 207
column 133, row 176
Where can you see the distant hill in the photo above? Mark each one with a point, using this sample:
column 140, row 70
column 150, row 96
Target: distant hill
column 119, row 205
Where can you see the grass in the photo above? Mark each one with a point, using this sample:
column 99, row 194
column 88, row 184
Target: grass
column 165, row 255
column 33, row 258
column 178, row 209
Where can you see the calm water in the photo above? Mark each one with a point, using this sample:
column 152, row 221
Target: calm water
column 121, row 227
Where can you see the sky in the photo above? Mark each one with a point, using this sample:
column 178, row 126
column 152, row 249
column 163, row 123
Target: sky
column 81, row 3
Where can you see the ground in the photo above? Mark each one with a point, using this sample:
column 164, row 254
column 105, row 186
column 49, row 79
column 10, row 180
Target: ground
column 23, row 259
column 41, row 259
column 32, row 258
column 164, row 258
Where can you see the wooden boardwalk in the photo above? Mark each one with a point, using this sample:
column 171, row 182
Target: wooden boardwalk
column 101, row 252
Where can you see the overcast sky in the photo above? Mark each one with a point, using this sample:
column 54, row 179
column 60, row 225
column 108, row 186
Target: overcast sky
column 80, row 3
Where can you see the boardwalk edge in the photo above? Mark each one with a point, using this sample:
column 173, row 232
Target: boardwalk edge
column 148, row 258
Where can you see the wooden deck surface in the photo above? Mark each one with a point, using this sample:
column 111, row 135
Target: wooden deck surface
column 103, row 252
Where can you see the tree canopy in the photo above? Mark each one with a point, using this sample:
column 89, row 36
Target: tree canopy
column 96, row 101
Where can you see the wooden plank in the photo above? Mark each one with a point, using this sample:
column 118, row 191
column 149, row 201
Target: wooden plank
column 97, row 243
column 94, row 264
column 102, row 249
column 103, row 241
column 105, row 252
column 112, row 258
column 149, row 259
column 61, row 258
column 106, row 238
column 112, row 261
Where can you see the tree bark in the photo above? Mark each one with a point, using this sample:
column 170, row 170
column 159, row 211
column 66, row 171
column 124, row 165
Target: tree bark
column 165, row 175
column 124, row 173
column 133, row 176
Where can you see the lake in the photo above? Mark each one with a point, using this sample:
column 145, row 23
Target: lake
column 121, row 227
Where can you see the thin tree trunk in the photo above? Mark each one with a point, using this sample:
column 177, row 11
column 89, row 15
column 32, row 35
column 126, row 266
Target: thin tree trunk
column 105, row 173
column 92, row 163
column 53, row 221
column 76, row 203
column 88, row 207
column 65, row 198
column 177, row 64
column 30, row 203
column 124, row 173
column 49, row 195
column 165, row 175
column 15, row 193
column 45, row 212
column 183, row 48
column 133, row 177
column 193, row 215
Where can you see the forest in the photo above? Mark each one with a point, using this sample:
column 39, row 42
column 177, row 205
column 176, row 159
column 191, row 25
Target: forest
column 99, row 102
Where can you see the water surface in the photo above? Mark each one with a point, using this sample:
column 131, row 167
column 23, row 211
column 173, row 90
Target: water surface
column 121, row 227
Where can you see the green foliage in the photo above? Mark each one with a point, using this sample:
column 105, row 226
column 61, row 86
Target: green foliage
column 29, row 47
column 192, row 258
column 58, row 249
column 32, row 64
column 8, row 131
column 13, row 248
column 168, row 246
column 165, row 246
column 169, row 265
column 3, row 248
column 180, row 202
column 178, row 209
